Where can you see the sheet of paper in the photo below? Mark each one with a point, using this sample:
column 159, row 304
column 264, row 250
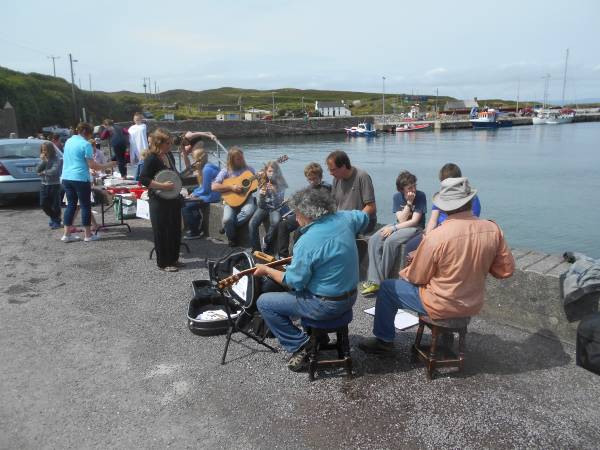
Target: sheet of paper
column 402, row 321
column 241, row 287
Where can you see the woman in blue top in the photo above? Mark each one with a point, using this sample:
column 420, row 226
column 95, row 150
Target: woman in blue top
column 78, row 159
column 449, row 170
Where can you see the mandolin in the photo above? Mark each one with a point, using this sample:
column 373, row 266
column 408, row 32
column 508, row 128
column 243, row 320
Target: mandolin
column 249, row 183
column 226, row 282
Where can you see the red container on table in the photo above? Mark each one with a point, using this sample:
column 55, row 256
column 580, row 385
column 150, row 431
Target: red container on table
column 137, row 191
column 118, row 190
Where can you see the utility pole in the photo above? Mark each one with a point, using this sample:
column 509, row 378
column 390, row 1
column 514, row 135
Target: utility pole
column 71, row 61
column 518, row 92
column 145, row 94
column 437, row 93
column 383, row 96
column 273, row 113
column 155, row 88
column 53, row 58
column 90, row 76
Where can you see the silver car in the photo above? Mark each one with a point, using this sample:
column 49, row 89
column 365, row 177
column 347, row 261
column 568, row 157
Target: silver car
column 19, row 159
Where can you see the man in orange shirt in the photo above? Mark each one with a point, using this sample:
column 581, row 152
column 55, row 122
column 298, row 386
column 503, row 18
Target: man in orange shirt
column 446, row 278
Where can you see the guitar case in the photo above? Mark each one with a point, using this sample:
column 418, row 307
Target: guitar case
column 243, row 304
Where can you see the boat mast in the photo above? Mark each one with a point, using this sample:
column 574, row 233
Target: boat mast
column 565, row 78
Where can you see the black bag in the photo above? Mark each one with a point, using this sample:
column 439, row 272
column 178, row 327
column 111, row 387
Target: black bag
column 588, row 343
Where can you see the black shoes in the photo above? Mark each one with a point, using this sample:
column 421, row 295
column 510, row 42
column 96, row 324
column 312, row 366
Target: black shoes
column 189, row 235
column 298, row 361
column 376, row 346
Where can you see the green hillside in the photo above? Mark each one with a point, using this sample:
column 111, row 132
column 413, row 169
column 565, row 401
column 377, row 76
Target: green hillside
column 42, row 100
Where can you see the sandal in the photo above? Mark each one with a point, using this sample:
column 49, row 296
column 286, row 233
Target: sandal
column 169, row 269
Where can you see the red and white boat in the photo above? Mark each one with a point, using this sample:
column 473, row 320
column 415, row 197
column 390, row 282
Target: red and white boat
column 412, row 127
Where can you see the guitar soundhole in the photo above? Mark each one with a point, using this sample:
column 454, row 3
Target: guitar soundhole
column 246, row 183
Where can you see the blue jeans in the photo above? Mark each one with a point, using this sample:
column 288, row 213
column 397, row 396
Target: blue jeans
column 82, row 191
column 278, row 309
column 234, row 217
column 50, row 201
column 394, row 295
column 258, row 217
column 192, row 216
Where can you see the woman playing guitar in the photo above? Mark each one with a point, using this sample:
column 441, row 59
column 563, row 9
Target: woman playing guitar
column 234, row 216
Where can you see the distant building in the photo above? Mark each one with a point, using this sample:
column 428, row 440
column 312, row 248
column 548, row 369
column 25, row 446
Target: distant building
column 256, row 114
column 229, row 116
column 460, row 105
column 332, row 109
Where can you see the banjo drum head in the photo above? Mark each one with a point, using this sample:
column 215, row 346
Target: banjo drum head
column 168, row 175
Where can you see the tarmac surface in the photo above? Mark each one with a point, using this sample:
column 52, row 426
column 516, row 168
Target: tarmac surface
column 95, row 353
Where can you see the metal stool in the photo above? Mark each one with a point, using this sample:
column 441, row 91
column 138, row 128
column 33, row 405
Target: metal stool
column 441, row 354
column 318, row 331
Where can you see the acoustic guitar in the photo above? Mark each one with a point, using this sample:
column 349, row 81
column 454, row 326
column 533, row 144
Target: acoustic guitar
column 249, row 183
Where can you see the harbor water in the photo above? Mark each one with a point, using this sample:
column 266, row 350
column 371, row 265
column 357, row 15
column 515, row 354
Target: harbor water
column 539, row 183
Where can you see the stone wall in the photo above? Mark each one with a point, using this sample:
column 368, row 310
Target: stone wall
column 530, row 300
column 248, row 128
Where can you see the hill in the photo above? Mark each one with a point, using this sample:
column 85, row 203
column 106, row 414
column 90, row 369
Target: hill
column 42, row 100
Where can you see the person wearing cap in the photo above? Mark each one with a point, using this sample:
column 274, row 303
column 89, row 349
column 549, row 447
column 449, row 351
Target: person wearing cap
column 446, row 278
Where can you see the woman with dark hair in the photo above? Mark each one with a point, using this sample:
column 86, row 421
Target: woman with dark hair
column 165, row 214
column 409, row 208
column 270, row 200
column 49, row 169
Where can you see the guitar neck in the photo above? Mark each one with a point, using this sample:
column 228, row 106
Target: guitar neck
column 233, row 278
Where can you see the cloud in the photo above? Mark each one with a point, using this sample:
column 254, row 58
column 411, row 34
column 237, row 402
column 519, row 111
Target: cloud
column 596, row 68
column 436, row 72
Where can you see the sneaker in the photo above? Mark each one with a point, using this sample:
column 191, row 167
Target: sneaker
column 369, row 288
column 376, row 346
column 92, row 238
column 189, row 235
column 55, row 225
column 298, row 361
column 70, row 238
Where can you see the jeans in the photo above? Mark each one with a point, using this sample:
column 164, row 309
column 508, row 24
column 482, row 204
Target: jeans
column 258, row 218
column 119, row 151
column 192, row 216
column 82, row 191
column 394, row 295
column 383, row 252
column 278, row 309
column 50, row 201
column 234, row 217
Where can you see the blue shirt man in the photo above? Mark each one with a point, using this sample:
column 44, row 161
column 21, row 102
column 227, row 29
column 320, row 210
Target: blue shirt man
column 322, row 275
column 419, row 205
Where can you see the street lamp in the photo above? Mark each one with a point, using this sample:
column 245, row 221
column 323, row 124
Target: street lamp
column 383, row 96
column 71, row 61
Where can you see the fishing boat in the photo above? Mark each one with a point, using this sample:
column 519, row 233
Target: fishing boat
column 362, row 129
column 412, row 127
column 488, row 120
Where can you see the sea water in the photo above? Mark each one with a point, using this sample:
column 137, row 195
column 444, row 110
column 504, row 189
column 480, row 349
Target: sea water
column 539, row 183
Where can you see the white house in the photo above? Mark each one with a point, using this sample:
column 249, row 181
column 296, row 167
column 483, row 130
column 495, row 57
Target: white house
column 332, row 109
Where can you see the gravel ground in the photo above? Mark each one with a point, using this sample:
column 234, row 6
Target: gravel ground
column 95, row 353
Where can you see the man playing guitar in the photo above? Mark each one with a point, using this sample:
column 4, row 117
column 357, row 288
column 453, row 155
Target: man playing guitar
column 233, row 217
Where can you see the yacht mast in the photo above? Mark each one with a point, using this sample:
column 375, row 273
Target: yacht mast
column 565, row 78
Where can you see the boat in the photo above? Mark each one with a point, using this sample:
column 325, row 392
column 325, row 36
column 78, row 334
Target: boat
column 487, row 120
column 412, row 127
column 362, row 129
column 554, row 117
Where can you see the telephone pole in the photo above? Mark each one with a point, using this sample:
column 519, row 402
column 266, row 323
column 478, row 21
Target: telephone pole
column 90, row 76
column 383, row 96
column 53, row 58
column 71, row 61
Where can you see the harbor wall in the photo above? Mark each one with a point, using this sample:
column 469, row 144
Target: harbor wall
column 530, row 300
column 259, row 128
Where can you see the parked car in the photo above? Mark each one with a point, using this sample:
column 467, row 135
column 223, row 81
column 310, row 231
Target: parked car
column 18, row 160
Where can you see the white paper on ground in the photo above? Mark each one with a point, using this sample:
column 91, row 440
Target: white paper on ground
column 402, row 321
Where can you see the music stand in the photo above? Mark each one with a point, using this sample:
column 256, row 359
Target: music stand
column 235, row 325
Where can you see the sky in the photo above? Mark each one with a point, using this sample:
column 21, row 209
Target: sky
column 463, row 49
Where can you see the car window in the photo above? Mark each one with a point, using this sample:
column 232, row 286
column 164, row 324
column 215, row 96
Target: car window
column 21, row 150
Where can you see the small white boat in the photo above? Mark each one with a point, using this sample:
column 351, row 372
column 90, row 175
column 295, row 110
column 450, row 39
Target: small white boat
column 362, row 129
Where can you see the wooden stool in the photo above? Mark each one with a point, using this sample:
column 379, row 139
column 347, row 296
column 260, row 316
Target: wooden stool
column 318, row 331
column 437, row 354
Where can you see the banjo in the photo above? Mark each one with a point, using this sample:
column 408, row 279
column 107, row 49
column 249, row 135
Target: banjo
column 168, row 175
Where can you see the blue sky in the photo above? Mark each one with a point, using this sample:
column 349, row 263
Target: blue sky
column 463, row 48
